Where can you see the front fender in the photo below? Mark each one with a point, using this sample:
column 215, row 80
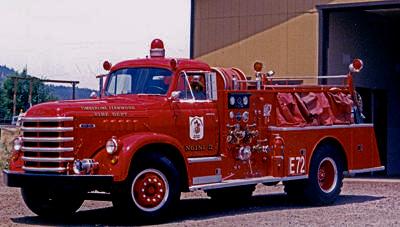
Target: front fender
column 130, row 144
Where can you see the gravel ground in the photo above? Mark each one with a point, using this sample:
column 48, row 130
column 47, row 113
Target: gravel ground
column 361, row 203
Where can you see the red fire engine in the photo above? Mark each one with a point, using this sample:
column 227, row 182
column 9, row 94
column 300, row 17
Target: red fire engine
column 161, row 126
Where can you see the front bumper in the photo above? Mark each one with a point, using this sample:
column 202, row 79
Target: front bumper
column 90, row 182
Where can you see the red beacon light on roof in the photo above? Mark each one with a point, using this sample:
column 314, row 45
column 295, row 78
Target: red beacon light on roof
column 157, row 49
column 356, row 66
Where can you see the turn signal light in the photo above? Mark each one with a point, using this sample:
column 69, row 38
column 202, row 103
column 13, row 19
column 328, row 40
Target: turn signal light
column 356, row 66
column 107, row 65
column 173, row 63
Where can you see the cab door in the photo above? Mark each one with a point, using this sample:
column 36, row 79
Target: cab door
column 196, row 117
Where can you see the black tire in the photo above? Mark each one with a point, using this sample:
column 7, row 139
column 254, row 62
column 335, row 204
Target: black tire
column 50, row 203
column 324, row 182
column 236, row 194
column 152, row 190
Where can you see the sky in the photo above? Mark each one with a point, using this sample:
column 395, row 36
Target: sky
column 70, row 39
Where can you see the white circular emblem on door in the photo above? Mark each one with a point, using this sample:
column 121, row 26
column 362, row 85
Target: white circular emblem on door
column 196, row 129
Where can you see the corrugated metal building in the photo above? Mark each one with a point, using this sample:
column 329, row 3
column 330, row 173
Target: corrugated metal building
column 312, row 37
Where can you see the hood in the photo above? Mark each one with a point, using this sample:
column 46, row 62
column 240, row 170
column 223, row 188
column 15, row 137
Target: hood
column 121, row 103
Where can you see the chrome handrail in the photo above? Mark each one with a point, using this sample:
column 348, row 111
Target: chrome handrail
column 42, row 169
column 46, row 119
column 47, row 149
column 47, row 129
column 58, row 159
column 48, row 139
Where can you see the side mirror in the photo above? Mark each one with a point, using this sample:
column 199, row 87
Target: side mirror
column 93, row 95
column 175, row 95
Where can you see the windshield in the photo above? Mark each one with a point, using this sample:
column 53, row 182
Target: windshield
column 139, row 81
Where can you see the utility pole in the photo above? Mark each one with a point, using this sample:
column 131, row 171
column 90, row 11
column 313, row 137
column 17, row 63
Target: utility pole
column 15, row 79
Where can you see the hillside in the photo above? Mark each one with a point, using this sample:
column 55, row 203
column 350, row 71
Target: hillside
column 59, row 91
column 63, row 92
column 5, row 71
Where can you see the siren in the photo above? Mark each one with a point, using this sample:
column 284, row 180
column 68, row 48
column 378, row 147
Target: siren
column 356, row 66
column 157, row 48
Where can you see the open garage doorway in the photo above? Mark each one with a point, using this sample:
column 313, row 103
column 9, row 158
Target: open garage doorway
column 369, row 31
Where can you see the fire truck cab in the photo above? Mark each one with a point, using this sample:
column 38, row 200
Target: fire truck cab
column 161, row 126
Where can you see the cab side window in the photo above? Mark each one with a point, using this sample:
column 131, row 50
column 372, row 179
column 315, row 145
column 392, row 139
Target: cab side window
column 192, row 86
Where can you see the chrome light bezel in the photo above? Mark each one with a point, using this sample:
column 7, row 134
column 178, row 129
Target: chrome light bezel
column 111, row 146
column 17, row 143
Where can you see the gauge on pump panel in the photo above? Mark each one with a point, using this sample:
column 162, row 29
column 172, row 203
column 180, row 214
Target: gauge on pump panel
column 240, row 102
column 245, row 116
column 232, row 100
column 231, row 115
column 238, row 116
column 245, row 100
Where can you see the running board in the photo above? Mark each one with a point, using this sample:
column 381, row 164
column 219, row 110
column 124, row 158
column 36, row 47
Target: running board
column 240, row 182
column 366, row 170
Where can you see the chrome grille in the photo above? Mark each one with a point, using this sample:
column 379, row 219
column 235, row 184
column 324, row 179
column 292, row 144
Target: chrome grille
column 47, row 144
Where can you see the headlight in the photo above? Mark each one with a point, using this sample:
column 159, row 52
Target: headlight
column 17, row 144
column 111, row 146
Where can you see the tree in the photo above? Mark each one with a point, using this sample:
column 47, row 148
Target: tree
column 40, row 94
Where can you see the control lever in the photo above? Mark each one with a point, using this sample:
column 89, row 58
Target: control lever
column 253, row 132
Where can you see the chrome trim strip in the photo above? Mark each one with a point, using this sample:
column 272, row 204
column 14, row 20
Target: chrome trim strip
column 194, row 71
column 275, row 128
column 54, row 129
column 221, row 74
column 204, row 159
column 240, row 71
column 366, row 170
column 46, row 119
column 41, row 169
column 207, row 179
column 48, row 139
column 47, row 149
column 239, row 182
column 35, row 159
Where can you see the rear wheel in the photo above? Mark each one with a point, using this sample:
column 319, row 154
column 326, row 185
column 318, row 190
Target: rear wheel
column 325, row 179
column 152, row 190
column 52, row 203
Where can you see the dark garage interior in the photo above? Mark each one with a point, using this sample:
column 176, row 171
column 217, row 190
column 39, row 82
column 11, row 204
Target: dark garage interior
column 368, row 31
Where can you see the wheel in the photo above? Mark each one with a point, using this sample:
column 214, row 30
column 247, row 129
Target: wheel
column 152, row 190
column 52, row 203
column 236, row 194
column 325, row 179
